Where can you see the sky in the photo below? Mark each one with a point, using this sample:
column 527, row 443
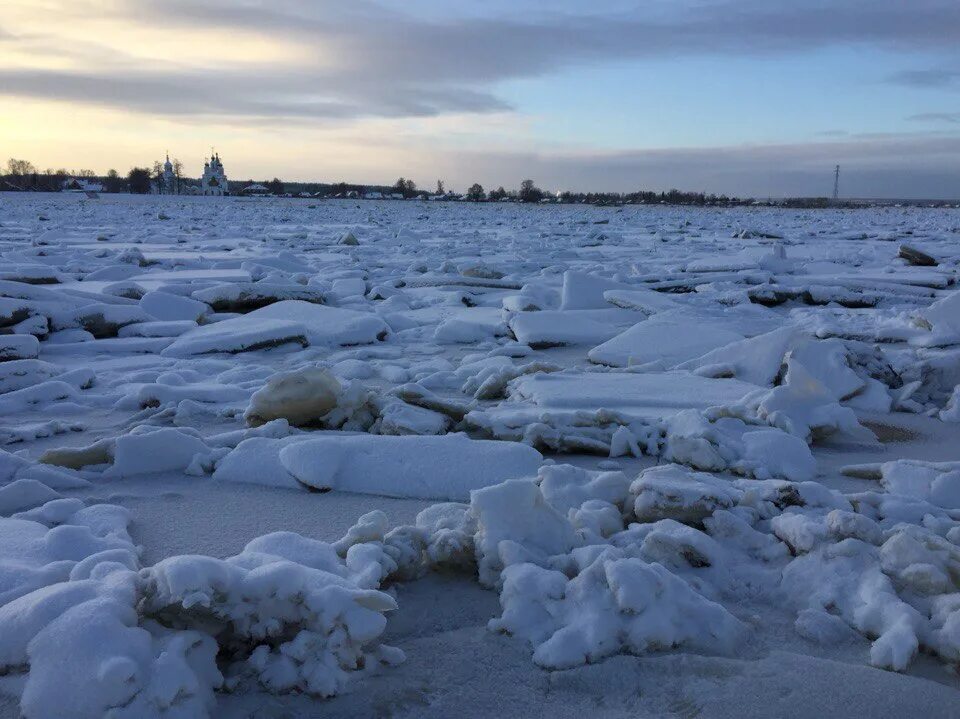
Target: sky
column 744, row 97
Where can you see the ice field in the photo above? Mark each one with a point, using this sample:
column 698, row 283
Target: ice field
column 274, row 458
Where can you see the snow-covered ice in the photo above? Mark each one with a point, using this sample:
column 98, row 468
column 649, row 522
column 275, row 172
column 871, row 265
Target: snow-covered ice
column 267, row 457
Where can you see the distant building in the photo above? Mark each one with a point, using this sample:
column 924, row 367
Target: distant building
column 214, row 180
column 81, row 185
column 255, row 189
column 168, row 181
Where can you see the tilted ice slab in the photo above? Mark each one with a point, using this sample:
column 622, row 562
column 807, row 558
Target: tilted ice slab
column 688, row 330
column 647, row 301
column 583, row 291
column 756, row 359
column 943, row 318
column 243, row 296
column 280, row 323
column 666, row 340
column 650, row 395
column 156, row 279
column 149, row 279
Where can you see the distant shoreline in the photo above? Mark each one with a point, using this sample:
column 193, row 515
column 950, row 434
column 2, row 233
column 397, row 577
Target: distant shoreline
column 801, row 203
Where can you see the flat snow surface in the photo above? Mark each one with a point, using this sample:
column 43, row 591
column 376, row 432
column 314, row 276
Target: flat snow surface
column 272, row 458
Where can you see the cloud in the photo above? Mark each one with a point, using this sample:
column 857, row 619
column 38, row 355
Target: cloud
column 932, row 77
column 952, row 118
column 366, row 59
column 533, row 41
column 289, row 96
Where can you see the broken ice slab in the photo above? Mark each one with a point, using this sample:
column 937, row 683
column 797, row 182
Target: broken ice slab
column 639, row 395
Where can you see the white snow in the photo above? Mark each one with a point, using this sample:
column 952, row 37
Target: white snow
column 279, row 323
column 667, row 339
column 446, row 467
column 701, row 461
column 643, row 395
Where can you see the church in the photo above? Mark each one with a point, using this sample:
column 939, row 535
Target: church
column 214, row 180
column 168, row 182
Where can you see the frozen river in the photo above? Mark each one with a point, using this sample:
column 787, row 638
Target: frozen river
column 276, row 457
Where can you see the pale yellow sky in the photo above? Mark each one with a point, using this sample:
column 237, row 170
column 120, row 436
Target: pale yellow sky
column 62, row 134
column 88, row 37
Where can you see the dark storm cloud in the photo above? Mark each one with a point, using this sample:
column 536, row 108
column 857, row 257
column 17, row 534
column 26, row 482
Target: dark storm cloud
column 382, row 62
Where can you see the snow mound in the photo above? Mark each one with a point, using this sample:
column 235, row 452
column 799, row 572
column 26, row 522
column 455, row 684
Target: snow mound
column 614, row 604
column 286, row 606
column 553, row 328
column 18, row 347
column 934, row 482
column 802, row 406
column 20, row 374
column 513, row 519
column 673, row 492
column 288, row 613
column 446, row 467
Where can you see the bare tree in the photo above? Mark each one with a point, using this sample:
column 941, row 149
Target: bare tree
column 158, row 176
column 177, row 172
column 475, row 193
column 440, row 189
column 20, row 167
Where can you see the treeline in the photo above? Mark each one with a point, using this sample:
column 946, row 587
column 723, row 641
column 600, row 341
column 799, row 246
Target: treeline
column 22, row 175
column 528, row 192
